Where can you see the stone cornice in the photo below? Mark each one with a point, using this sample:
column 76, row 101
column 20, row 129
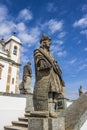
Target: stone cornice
column 4, row 53
column 10, row 61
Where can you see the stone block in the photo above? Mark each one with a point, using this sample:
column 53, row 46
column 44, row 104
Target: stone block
column 37, row 123
column 56, row 123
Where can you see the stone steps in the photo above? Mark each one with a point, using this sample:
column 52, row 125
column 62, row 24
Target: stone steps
column 27, row 114
column 14, row 128
column 21, row 124
column 23, row 119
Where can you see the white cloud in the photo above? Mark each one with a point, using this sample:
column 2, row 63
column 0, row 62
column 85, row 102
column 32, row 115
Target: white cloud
column 56, row 48
column 61, row 34
column 53, row 25
column 51, row 7
column 84, row 7
column 62, row 53
column 84, row 32
column 84, row 66
column 30, row 37
column 81, row 22
column 7, row 27
column 3, row 13
column 24, row 58
column 21, row 27
column 25, row 15
column 23, row 49
column 85, row 49
column 60, row 42
column 72, row 61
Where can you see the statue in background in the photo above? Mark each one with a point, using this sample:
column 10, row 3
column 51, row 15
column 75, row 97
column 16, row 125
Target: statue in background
column 26, row 80
column 49, row 83
column 80, row 90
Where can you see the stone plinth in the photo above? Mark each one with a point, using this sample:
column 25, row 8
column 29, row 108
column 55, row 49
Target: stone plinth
column 37, row 123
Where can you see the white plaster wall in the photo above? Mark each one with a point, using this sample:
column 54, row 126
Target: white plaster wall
column 7, row 46
column 3, row 80
column 10, row 109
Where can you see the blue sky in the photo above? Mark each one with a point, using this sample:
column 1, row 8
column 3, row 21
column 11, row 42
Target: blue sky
column 65, row 21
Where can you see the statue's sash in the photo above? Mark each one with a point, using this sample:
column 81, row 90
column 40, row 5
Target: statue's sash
column 51, row 62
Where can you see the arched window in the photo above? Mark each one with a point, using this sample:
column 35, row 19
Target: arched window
column 15, row 50
column 12, row 80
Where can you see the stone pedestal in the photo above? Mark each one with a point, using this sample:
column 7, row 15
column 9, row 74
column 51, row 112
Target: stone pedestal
column 46, row 123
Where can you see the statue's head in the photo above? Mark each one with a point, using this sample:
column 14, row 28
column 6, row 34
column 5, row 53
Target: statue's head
column 29, row 63
column 45, row 41
column 80, row 86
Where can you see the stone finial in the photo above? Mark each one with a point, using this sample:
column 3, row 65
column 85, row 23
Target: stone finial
column 80, row 90
column 14, row 33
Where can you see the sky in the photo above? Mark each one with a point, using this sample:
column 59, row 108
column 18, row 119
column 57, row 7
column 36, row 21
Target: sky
column 65, row 21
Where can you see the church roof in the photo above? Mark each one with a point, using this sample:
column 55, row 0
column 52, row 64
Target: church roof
column 14, row 38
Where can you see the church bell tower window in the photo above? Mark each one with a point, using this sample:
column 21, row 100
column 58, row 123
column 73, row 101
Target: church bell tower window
column 15, row 50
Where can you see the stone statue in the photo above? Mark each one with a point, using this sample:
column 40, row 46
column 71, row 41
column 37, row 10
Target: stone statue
column 80, row 90
column 26, row 80
column 49, row 83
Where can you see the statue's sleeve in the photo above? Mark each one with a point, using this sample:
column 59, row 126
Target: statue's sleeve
column 41, row 62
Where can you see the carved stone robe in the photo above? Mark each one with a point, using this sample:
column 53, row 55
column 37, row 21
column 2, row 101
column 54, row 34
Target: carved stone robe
column 48, row 78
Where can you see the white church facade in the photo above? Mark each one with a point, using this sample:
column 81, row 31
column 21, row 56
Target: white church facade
column 9, row 64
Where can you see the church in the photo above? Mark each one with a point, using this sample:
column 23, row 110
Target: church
column 9, row 64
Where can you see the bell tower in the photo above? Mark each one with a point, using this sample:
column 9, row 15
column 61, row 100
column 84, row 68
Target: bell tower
column 13, row 46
